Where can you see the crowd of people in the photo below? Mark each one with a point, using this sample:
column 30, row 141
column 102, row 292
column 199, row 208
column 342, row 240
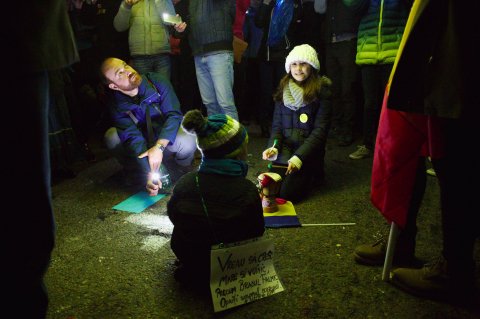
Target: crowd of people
column 310, row 82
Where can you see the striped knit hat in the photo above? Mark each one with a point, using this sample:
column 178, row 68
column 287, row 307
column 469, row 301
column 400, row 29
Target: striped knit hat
column 218, row 136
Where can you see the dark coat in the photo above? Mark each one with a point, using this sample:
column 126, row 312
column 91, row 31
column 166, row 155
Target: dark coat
column 210, row 25
column 234, row 213
column 306, row 140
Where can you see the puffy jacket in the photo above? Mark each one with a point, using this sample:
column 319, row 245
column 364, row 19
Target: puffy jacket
column 147, row 35
column 380, row 30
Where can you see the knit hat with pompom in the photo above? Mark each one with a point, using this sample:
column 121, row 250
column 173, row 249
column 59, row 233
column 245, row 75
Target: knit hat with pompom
column 302, row 53
column 218, row 135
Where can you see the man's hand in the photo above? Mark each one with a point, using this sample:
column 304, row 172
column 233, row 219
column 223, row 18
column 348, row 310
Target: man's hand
column 155, row 157
column 131, row 2
column 180, row 27
column 153, row 187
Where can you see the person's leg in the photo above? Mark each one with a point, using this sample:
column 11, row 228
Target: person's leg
column 333, row 71
column 135, row 171
column 183, row 149
column 406, row 242
column 452, row 275
column 162, row 65
column 349, row 74
column 370, row 78
column 266, row 88
column 142, row 64
column 374, row 254
column 295, row 187
column 26, row 258
column 458, row 201
column 205, row 85
column 220, row 67
column 370, row 82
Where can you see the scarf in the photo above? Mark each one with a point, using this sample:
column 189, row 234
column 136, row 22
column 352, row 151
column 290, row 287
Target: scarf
column 293, row 96
column 228, row 167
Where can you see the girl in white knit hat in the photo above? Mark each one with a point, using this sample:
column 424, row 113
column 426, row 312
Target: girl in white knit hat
column 301, row 121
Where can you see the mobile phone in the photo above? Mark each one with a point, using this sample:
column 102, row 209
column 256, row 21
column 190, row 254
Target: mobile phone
column 171, row 19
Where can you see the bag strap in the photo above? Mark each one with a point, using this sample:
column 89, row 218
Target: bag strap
column 205, row 208
column 148, row 117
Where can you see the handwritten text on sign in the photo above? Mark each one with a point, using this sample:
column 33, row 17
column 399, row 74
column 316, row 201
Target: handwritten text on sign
column 242, row 273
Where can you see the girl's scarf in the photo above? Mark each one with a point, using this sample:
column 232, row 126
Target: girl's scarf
column 293, row 96
column 228, row 167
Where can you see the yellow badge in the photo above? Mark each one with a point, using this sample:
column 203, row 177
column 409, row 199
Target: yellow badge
column 303, row 118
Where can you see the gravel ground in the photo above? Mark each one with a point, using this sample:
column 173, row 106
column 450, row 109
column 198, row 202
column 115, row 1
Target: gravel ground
column 113, row 265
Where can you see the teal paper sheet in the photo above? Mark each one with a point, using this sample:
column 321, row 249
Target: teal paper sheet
column 138, row 202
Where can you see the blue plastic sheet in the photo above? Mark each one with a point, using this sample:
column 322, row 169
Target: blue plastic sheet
column 138, row 203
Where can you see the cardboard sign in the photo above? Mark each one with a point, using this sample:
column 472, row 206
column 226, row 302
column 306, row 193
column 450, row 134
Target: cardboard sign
column 243, row 272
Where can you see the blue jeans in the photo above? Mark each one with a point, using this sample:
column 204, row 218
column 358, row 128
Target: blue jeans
column 159, row 63
column 215, row 82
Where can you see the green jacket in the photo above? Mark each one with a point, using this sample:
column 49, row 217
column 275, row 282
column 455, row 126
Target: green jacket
column 380, row 30
column 148, row 35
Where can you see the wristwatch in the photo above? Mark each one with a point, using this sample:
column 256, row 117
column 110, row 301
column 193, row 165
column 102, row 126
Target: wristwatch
column 161, row 147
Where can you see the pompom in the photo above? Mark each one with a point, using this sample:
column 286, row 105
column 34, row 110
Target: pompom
column 194, row 121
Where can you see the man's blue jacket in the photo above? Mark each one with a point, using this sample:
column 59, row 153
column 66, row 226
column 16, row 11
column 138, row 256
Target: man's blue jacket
column 156, row 94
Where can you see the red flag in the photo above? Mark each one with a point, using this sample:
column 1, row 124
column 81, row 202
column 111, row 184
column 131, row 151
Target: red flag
column 400, row 139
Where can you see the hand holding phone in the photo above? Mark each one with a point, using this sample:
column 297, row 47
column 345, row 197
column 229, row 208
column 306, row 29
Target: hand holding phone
column 171, row 19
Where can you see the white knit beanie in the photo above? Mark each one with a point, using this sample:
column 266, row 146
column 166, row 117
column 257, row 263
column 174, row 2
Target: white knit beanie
column 302, row 53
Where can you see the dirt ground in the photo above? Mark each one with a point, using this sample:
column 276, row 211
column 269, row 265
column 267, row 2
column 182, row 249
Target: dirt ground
column 110, row 264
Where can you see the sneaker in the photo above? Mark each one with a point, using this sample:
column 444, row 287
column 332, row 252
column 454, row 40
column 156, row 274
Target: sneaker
column 433, row 282
column 361, row 152
column 374, row 255
column 431, row 172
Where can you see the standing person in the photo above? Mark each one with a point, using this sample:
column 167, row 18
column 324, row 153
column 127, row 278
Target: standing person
column 183, row 78
column 379, row 34
column 108, row 41
column 210, row 34
column 301, row 121
column 430, row 85
column 140, row 101
column 253, row 36
column 279, row 21
column 43, row 41
column 149, row 37
column 217, row 204
column 340, row 46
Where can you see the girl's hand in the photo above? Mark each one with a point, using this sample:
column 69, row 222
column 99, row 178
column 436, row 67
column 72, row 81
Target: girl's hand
column 292, row 168
column 269, row 153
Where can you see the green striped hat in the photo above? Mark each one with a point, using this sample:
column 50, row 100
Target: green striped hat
column 218, row 136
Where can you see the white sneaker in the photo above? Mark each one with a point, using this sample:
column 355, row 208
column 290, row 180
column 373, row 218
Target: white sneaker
column 361, row 152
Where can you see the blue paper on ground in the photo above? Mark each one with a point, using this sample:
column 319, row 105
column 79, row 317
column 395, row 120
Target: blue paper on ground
column 286, row 216
column 138, row 203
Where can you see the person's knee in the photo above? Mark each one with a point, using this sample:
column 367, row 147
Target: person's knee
column 111, row 138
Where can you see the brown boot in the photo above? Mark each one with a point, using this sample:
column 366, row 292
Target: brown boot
column 374, row 254
column 434, row 281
